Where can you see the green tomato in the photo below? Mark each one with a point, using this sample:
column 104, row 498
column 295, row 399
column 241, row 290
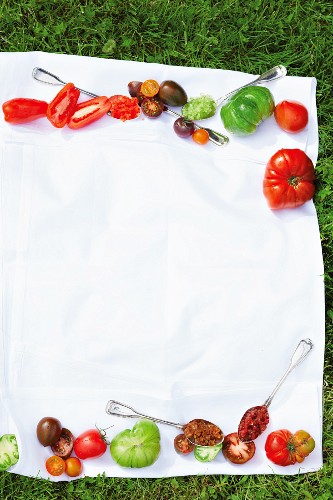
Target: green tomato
column 137, row 447
column 206, row 453
column 9, row 453
column 246, row 109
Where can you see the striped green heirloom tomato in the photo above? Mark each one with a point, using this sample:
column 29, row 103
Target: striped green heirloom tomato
column 246, row 109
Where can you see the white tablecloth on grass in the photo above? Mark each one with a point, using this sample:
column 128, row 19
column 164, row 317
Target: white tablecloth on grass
column 141, row 267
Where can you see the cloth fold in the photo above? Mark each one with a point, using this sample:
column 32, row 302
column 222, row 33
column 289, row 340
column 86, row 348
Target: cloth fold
column 141, row 267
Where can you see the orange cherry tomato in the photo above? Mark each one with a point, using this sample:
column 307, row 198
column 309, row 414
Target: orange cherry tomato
column 149, row 88
column 200, row 136
column 55, row 465
column 73, row 466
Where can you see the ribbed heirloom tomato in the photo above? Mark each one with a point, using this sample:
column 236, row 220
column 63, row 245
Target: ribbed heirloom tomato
column 289, row 179
column 284, row 448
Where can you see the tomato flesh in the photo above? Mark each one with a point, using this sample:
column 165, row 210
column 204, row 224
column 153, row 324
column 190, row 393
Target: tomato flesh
column 55, row 465
column 152, row 107
column 124, row 108
column 89, row 111
column 236, row 451
column 62, row 107
column 149, row 88
column 183, row 445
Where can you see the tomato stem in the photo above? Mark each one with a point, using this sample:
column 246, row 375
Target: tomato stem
column 293, row 181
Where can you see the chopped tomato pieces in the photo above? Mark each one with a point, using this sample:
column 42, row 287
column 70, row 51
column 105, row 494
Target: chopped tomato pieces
column 124, row 108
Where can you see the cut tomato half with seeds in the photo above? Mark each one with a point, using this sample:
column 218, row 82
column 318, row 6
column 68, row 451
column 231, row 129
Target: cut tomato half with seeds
column 149, row 88
column 89, row 111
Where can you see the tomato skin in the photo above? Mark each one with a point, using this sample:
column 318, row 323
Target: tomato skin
column 23, row 110
column 291, row 116
column 48, row 431
column 152, row 107
column 64, row 446
column 182, row 445
column 90, row 444
column 183, row 128
column 73, row 466
column 289, row 179
column 284, row 448
column 62, row 107
column 200, row 136
column 55, row 465
column 89, row 111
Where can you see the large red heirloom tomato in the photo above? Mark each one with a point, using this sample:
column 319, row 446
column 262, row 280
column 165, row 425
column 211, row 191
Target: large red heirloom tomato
column 284, row 448
column 289, row 179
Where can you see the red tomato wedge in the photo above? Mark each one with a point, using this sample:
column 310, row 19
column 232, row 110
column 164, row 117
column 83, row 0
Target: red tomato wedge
column 89, row 111
column 22, row 110
column 289, row 179
column 124, row 107
column 62, row 107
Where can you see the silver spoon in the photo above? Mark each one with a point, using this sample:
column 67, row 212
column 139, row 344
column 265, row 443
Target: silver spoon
column 255, row 419
column 122, row 410
column 270, row 75
column 44, row 76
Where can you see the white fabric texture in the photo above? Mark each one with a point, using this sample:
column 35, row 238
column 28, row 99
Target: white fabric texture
column 141, row 267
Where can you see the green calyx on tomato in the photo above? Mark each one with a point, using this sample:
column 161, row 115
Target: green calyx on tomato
column 90, row 444
column 137, row 447
column 288, row 179
column 284, row 448
column 246, row 109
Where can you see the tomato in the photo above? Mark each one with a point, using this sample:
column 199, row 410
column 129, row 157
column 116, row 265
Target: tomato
column 149, row 88
column 134, row 87
column 73, row 466
column 90, row 444
column 22, row 110
column 183, row 445
column 64, row 446
column 172, row 94
column 289, row 179
column 62, row 107
column 55, row 465
column 200, row 136
column 291, row 116
column 183, row 128
column 124, row 108
column 152, row 107
column 89, row 111
column 284, row 448
column 48, row 430
column 236, row 451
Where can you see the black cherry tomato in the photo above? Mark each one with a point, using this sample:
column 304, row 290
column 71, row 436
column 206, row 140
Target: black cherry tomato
column 183, row 445
column 183, row 128
column 152, row 107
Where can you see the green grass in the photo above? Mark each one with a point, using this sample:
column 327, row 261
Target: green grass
column 249, row 36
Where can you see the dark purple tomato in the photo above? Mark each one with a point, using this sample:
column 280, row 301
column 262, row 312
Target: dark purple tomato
column 64, row 446
column 152, row 107
column 172, row 93
column 133, row 87
column 48, row 431
column 183, row 128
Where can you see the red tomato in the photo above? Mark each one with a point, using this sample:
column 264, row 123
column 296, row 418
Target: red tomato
column 236, row 451
column 183, row 445
column 289, row 179
column 89, row 111
column 284, row 448
column 55, row 465
column 90, row 444
column 124, row 108
column 73, row 467
column 62, row 107
column 200, row 136
column 291, row 116
column 22, row 110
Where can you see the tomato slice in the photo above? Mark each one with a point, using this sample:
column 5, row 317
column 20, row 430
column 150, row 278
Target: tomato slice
column 149, row 88
column 62, row 107
column 55, row 465
column 183, row 445
column 89, row 111
column 236, row 451
column 22, row 110
column 152, row 107
column 124, row 108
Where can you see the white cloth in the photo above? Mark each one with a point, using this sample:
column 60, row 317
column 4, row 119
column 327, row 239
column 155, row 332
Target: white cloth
column 141, row 267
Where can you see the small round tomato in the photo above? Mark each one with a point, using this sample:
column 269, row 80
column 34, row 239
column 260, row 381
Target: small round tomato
column 236, row 451
column 55, row 465
column 64, row 446
column 291, row 116
column 73, row 467
column 183, row 128
column 183, row 445
column 149, row 88
column 284, row 448
column 134, row 87
column 48, row 430
column 200, row 136
column 152, row 107
column 90, row 444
